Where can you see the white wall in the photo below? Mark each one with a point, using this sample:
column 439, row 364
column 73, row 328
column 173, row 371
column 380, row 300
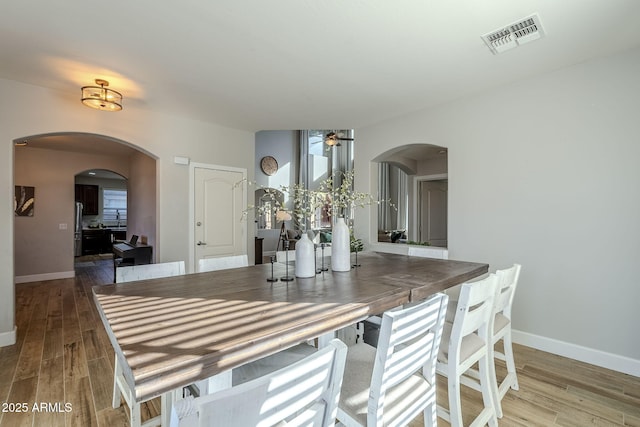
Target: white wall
column 545, row 173
column 27, row 110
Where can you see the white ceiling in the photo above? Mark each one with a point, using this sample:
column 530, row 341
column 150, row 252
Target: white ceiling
column 297, row 64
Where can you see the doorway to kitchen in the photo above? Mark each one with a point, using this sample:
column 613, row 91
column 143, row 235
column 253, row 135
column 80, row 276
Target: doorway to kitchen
column 45, row 242
column 100, row 215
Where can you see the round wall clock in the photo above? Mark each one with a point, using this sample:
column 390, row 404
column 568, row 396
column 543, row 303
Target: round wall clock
column 269, row 165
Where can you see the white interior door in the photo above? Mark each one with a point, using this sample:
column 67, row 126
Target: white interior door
column 219, row 201
column 433, row 212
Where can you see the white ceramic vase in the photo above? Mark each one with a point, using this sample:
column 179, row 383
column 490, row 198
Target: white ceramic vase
column 305, row 258
column 340, row 248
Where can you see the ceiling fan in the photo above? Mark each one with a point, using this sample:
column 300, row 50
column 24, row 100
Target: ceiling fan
column 333, row 138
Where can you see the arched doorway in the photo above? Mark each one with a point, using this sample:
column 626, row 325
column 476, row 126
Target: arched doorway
column 44, row 243
column 407, row 176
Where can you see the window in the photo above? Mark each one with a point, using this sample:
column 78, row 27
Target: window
column 320, row 161
column 114, row 206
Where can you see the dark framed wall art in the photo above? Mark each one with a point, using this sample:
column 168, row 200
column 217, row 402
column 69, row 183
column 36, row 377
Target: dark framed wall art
column 24, row 200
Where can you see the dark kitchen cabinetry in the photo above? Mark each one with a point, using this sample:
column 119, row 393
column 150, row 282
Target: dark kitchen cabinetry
column 119, row 235
column 88, row 195
column 96, row 241
column 259, row 241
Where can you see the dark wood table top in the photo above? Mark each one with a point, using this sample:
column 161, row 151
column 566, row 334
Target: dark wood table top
column 173, row 331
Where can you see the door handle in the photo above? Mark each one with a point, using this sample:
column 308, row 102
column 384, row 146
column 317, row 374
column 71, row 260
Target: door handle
column 201, row 243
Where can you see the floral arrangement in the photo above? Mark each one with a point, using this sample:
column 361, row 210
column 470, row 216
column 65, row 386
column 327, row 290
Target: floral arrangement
column 327, row 200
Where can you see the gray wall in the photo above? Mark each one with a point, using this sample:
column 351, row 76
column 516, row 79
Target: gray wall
column 41, row 247
column 545, row 173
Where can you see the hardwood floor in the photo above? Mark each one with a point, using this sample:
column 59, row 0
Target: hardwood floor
column 60, row 371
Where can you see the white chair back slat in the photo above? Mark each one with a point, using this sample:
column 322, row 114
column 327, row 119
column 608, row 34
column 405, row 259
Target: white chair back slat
column 474, row 306
column 149, row 271
column 284, row 256
column 409, row 340
column 305, row 393
column 428, row 252
column 222, row 263
column 507, row 283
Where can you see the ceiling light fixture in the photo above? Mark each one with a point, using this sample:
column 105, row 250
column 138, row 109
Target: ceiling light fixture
column 332, row 139
column 101, row 98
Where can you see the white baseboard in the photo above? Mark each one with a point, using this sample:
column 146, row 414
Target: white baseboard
column 8, row 338
column 600, row 358
column 45, row 276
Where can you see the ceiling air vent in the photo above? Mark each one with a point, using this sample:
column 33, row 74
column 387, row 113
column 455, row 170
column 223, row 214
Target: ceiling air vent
column 514, row 35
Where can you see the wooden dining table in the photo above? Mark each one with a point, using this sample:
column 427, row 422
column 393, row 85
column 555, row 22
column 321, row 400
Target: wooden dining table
column 175, row 331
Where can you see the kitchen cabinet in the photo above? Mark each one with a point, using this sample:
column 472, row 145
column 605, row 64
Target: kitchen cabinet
column 88, row 195
column 119, row 235
column 258, row 248
column 96, row 241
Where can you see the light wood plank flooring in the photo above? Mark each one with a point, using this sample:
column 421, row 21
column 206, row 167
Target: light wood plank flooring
column 63, row 357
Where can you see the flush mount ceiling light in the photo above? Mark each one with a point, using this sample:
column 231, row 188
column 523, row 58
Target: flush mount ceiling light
column 101, row 98
column 333, row 138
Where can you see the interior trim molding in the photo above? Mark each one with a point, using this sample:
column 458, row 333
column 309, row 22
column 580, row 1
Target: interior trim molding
column 46, row 276
column 8, row 338
column 600, row 358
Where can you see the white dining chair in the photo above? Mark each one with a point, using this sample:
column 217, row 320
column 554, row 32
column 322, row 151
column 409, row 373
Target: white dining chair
column 303, row 393
column 428, row 252
column 507, row 281
column 285, row 256
column 465, row 342
column 506, row 289
column 393, row 384
column 149, row 271
column 121, row 388
column 222, row 263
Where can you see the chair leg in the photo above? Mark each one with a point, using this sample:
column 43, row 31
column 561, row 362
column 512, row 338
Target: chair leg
column 486, row 385
column 136, row 418
column 430, row 415
column 493, row 383
column 455, row 405
column 117, row 371
column 511, row 364
column 166, row 401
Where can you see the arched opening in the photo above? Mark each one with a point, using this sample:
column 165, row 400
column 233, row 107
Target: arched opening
column 101, row 212
column 414, row 178
column 52, row 164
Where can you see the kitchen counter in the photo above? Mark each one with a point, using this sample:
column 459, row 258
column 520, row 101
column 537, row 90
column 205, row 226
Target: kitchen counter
column 105, row 228
column 100, row 240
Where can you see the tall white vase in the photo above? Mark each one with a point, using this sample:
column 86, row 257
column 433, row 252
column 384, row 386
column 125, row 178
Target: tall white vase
column 305, row 257
column 340, row 248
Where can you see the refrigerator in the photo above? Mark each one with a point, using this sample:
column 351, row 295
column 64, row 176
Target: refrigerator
column 77, row 230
